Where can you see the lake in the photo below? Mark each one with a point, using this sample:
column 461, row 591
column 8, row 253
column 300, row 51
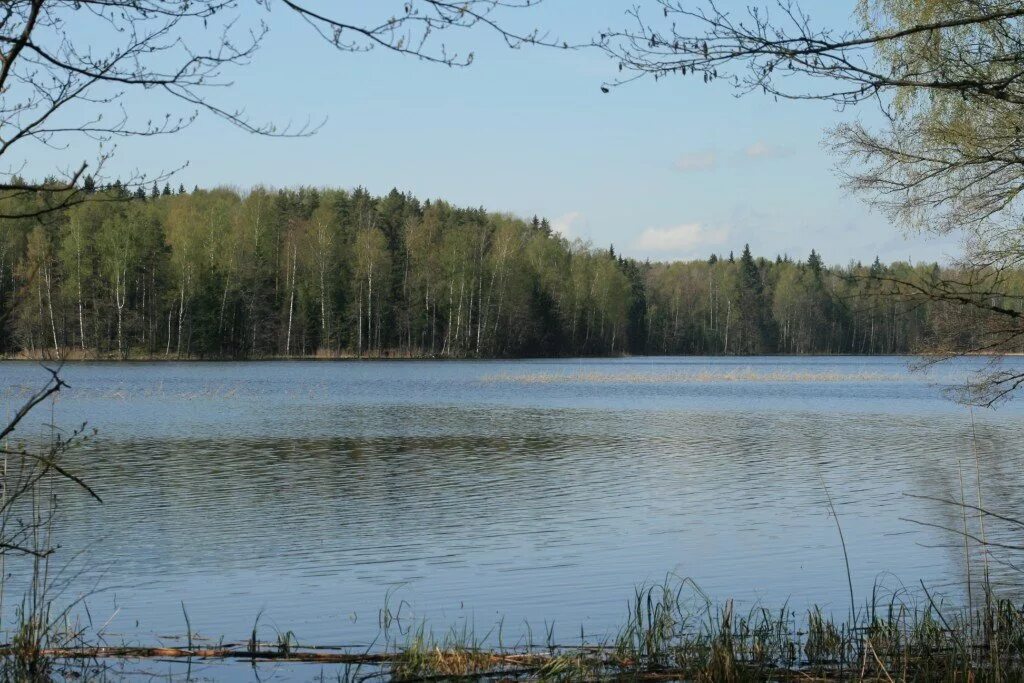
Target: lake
column 539, row 492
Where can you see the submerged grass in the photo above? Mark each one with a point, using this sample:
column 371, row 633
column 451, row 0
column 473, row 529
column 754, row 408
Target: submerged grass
column 700, row 376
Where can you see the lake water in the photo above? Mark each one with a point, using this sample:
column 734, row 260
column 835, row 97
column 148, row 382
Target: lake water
column 523, row 491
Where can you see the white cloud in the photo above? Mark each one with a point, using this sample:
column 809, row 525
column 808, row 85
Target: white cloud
column 680, row 240
column 570, row 224
column 697, row 162
column 762, row 150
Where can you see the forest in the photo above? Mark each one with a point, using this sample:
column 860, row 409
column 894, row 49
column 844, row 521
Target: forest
column 264, row 273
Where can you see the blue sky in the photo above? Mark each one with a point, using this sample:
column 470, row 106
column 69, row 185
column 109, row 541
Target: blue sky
column 663, row 170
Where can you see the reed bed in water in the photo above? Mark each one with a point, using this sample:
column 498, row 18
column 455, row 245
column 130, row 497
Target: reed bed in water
column 673, row 632
column 699, row 376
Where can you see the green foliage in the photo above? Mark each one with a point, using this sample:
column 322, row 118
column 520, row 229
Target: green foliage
column 301, row 272
column 215, row 273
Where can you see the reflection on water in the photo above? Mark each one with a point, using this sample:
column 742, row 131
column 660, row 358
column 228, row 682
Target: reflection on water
column 310, row 490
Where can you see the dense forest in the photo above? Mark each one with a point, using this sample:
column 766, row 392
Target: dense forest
column 220, row 273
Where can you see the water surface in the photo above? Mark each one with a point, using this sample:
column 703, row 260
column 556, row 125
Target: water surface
column 522, row 491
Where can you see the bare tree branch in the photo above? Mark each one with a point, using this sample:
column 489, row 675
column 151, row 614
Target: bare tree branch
column 65, row 66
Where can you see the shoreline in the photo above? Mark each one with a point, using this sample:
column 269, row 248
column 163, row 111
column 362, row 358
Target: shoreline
column 404, row 357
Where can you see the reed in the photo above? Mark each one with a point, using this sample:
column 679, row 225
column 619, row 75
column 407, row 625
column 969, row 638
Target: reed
column 671, row 631
column 458, row 654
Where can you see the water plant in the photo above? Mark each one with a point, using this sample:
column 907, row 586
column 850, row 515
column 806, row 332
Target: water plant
column 696, row 376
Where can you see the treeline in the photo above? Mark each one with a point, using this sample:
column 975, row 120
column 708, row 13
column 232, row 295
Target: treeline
column 218, row 273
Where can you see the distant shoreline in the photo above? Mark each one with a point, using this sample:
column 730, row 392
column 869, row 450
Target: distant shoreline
column 76, row 356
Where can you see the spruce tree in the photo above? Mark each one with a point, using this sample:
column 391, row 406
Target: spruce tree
column 877, row 268
column 814, row 263
column 755, row 321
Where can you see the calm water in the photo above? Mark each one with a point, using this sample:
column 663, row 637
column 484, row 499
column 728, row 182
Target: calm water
column 534, row 491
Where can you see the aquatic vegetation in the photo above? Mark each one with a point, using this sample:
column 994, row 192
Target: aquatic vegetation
column 696, row 376
column 457, row 654
column 671, row 631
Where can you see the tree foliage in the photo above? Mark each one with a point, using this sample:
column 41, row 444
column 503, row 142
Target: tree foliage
column 215, row 273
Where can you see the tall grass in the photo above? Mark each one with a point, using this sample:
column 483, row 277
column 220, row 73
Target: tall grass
column 673, row 631
column 670, row 631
